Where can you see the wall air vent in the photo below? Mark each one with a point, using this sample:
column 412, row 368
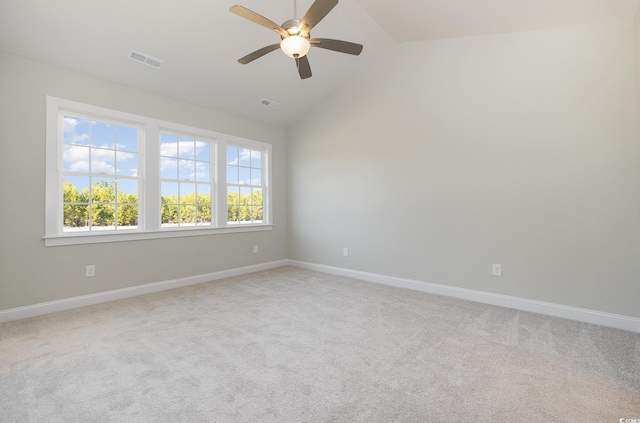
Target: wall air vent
column 269, row 103
column 143, row 58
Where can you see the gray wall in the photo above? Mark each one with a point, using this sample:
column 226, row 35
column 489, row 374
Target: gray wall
column 31, row 273
column 438, row 160
column 447, row 156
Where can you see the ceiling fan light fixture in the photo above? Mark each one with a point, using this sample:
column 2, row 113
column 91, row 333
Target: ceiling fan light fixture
column 295, row 35
column 295, row 46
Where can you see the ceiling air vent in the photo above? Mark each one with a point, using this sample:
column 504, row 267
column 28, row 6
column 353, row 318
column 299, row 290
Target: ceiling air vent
column 143, row 58
column 269, row 103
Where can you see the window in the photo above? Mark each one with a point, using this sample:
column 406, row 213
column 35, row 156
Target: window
column 99, row 174
column 114, row 176
column 185, row 174
column 244, row 185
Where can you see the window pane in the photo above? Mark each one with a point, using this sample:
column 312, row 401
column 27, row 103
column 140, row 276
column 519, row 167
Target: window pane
column 126, row 138
column 245, row 175
column 103, row 161
column 126, row 163
column 233, row 214
column 232, row 175
column 204, row 215
column 232, row 155
column 244, row 156
column 204, row 193
column 169, row 192
column 168, row 168
column 245, row 204
column 76, row 217
column 203, row 151
column 168, row 145
column 187, row 170
column 202, row 171
column 233, row 195
column 75, row 158
column 128, row 216
column 102, row 135
column 245, row 214
column 256, row 177
column 256, row 159
column 103, row 215
column 169, row 214
column 75, row 131
column 186, row 148
column 75, row 208
column 187, row 215
column 103, row 191
column 256, row 197
column 76, row 189
column 245, row 194
column 127, row 191
column 187, row 193
column 257, row 214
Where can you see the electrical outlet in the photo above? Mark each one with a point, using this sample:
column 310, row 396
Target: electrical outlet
column 255, row 249
column 90, row 270
column 496, row 269
column 345, row 252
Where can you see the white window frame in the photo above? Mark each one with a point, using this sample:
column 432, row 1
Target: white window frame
column 149, row 222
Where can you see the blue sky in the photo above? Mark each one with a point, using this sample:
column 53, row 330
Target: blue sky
column 99, row 147
column 111, row 150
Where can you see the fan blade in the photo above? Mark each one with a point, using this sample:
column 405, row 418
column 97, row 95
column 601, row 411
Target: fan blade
column 318, row 10
column 304, row 69
column 258, row 54
column 259, row 19
column 337, row 45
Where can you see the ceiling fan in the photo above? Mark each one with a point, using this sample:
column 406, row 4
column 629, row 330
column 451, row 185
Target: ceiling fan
column 296, row 36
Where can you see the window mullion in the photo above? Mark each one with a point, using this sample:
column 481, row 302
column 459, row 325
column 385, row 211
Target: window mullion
column 220, row 183
column 150, row 179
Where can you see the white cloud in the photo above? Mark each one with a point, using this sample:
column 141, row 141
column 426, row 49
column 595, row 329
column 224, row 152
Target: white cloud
column 76, row 159
column 167, row 164
column 244, row 155
column 102, row 161
column 187, row 166
column 69, row 125
column 186, row 148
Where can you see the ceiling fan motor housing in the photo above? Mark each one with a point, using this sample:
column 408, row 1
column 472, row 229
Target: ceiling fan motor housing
column 292, row 26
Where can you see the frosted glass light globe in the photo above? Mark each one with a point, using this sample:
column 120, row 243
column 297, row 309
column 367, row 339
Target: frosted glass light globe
column 295, row 46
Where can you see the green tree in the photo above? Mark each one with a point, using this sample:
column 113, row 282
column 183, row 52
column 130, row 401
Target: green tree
column 127, row 210
column 257, row 205
column 232, row 207
column 75, row 209
column 203, row 204
column 103, row 196
column 170, row 209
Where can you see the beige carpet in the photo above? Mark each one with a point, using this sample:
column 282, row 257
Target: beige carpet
column 291, row 345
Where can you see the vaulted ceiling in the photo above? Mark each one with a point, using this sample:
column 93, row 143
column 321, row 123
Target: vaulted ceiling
column 199, row 42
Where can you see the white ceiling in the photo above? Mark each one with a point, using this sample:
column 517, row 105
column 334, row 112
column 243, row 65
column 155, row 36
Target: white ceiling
column 419, row 20
column 200, row 41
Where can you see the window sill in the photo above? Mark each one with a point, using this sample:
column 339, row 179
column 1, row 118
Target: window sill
column 98, row 238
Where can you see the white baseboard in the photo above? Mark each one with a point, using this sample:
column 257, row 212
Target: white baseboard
column 616, row 321
column 117, row 294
